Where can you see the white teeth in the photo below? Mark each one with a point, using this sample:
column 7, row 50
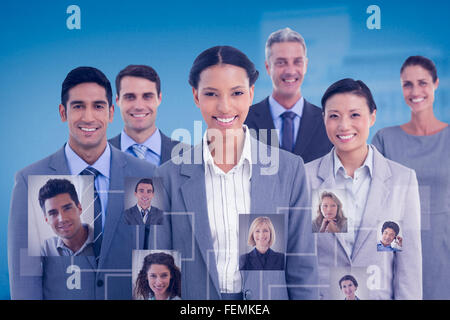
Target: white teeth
column 88, row 129
column 289, row 80
column 225, row 120
column 346, row 137
column 139, row 115
column 417, row 100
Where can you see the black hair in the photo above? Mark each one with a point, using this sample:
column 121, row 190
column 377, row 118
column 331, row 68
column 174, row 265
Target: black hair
column 221, row 55
column 144, row 180
column 348, row 277
column 425, row 63
column 82, row 75
column 392, row 225
column 140, row 71
column 348, row 85
column 54, row 187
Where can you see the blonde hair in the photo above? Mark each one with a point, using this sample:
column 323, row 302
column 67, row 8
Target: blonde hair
column 255, row 224
column 340, row 218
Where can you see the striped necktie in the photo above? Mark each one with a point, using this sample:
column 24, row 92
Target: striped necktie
column 139, row 150
column 98, row 230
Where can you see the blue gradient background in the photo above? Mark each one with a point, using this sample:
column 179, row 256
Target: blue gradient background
column 37, row 51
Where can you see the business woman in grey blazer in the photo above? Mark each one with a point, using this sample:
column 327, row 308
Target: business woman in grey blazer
column 380, row 190
column 222, row 79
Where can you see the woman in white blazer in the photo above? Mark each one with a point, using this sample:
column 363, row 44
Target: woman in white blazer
column 376, row 190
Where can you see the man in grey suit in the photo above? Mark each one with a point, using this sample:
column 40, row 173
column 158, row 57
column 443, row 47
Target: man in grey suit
column 86, row 105
column 139, row 96
column 299, row 123
column 143, row 212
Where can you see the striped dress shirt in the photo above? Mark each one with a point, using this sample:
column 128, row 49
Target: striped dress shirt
column 227, row 195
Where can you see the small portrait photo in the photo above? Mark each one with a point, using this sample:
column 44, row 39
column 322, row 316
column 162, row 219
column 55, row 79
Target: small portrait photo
column 140, row 202
column 390, row 236
column 349, row 283
column 60, row 215
column 328, row 211
column 156, row 275
column 261, row 242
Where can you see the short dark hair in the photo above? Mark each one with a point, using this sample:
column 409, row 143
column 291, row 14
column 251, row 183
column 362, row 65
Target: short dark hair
column 144, row 180
column 221, row 55
column 425, row 63
column 392, row 225
column 140, row 71
column 348, row 85
column 81, row 75
column 54, row 187
column 348, row 277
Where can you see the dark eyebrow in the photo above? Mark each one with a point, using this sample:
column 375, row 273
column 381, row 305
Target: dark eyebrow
column 209, row 88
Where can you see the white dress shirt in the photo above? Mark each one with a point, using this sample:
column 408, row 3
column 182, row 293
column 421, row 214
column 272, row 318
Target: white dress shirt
column 227, row 195
column 356, row 190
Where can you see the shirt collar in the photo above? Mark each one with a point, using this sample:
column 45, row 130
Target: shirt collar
column 89, row 240
column 140, row 209
column 76, row 164
column 277, row 109
column 367, row 163
column 246, row 156
column 153, row 142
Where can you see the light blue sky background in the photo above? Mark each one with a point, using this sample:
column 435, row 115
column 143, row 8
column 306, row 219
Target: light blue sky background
column 37, row 51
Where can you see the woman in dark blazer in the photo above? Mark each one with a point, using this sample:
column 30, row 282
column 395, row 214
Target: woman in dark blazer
column 261, row 236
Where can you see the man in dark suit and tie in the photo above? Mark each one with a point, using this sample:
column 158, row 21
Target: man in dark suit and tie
column 86, row 106
column 139, row 96
column 299, row 123
column 143, row 212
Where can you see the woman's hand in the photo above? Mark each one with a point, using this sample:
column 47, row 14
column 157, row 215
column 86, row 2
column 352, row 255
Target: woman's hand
column 332, row 227
column 324, row 225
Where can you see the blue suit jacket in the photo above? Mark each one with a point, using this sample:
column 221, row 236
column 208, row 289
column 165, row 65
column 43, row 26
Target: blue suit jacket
column 186, row 227
column 250, row 261
column 167, row 145
column 393, row 195
column 312, row 140
column 111, row 278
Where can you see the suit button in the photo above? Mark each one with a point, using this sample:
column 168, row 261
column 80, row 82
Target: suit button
column 247, row 294
column 99, row 283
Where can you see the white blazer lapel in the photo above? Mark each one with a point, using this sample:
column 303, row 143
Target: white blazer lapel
column 378, row 193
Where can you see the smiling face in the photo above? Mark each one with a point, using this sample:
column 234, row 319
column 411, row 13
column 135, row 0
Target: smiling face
column 347, row 122
column 63, row 216
column 138, row 101
column 286, row 67
column 144, row 195
column 388, row 236
column 418, row 88
column 262, row 235
column 348, row 289
column 224, row 96
column 158, row 276
column 88, row 115
column 328, row 208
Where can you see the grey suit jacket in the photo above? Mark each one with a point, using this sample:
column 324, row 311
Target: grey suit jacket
column 167, row 145
column 393, row 195
column 186, row 227
column 134, row 217
column 312, row 140
column 110, row 278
